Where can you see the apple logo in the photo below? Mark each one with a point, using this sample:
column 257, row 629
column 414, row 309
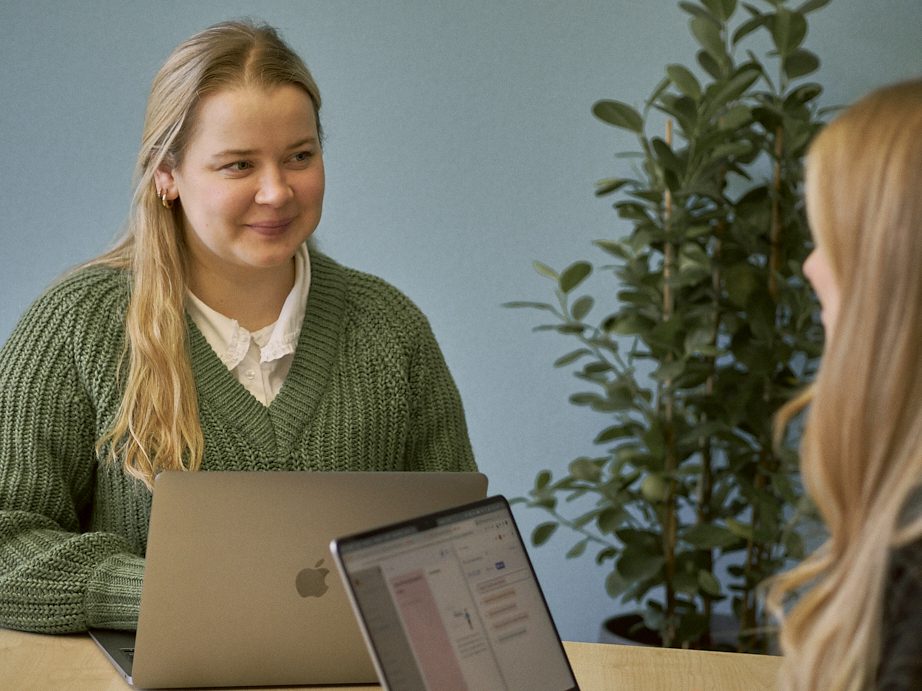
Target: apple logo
column 312, row 582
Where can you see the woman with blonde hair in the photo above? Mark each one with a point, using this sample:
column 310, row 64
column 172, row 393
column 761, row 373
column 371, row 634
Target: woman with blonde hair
column 854, row 623
column 211, row 337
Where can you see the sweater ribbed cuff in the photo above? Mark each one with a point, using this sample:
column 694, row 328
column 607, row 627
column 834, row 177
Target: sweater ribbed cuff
column 113, row 593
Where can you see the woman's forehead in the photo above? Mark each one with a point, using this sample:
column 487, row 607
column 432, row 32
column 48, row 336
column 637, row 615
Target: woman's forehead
column 241, row 117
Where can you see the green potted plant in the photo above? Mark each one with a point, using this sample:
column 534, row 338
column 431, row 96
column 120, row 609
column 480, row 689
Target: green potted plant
column 688, row 501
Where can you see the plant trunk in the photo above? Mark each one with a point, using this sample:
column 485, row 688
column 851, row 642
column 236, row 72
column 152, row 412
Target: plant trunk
column 670, row 526
column 756, row 553
column 774, row 262
column 705, row 488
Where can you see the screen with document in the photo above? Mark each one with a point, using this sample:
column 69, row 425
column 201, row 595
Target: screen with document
column 450, row 601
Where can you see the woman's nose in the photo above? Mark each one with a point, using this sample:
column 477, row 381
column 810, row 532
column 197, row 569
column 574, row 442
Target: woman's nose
column 808, row 263
column 274, row 189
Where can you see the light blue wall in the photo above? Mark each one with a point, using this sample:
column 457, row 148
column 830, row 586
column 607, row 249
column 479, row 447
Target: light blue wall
column 460, row 148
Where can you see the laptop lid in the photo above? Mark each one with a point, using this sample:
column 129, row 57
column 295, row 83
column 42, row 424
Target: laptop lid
column 450, row 601
column 236, row 589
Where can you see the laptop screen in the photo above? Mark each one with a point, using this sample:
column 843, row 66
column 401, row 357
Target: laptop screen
column 450, row 601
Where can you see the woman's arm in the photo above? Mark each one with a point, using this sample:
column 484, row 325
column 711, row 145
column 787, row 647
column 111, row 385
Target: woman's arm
column 438, row 436
column 54, row 577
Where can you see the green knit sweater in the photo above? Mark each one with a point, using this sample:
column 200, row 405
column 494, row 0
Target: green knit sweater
column 368, row 389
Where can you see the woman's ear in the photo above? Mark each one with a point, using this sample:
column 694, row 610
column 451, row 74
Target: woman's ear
column 165, row 181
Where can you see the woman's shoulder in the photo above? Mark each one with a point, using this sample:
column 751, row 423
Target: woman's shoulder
column 906, row 565
column 79, row 320
column 901, row 646
column 86, row 295
column 906, row 559
column 89, row 288
column 366, row 294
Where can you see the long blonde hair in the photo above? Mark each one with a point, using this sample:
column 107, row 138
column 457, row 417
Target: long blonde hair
column 861, row 453
column 157, row 425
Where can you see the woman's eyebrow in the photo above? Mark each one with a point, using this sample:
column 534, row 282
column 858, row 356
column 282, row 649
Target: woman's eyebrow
column 251, row 152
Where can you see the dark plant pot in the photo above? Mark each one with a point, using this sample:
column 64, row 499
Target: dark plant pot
column 629, row 629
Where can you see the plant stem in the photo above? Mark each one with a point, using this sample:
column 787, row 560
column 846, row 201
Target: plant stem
column 774, row 264
column 704, row 513
column 670, row 529
column 755, row 553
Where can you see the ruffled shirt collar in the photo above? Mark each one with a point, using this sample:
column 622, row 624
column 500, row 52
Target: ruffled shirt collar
column 231, row 342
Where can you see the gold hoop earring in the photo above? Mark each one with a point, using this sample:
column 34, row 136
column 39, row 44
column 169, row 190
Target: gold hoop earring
column 167, row 203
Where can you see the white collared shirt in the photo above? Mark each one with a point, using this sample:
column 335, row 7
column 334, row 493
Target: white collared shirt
column 259, row 360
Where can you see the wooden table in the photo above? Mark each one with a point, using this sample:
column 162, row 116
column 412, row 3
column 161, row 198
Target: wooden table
column 73, row 662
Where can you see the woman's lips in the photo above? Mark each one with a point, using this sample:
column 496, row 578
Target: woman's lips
column 270, row 227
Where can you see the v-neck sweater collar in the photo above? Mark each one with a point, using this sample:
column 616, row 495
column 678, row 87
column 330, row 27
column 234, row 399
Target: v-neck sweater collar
column 275, row 428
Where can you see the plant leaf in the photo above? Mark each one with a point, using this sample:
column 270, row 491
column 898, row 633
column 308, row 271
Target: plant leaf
column 638, row 564
column 735, row 87
column 603, row 187
column 708, row 583
column 741, row 282
column 612, row 247
column 615, row 585
column 581, row 307
column 684, row 80
column 736, row 117
column 609, row 520
column 586, row 399
column 707, row 33
column 669, row 370
column 800, row 62
column 732, row 149
column 605, row 554
column 748, row 27
column 577, row 549
column 542, row 533
column 803, row 94
column 682, row 108
column 531, row 305
column 696, row 11
column 740, row 529
column 632, row 211
column 573, row 275
column 584, row 469
column 722, row 9
column 618, row 114
column 794, row 544
column 570, row 328
column 812, row 5
column 570, row 358
column 789, row 28
column 710, row 536
column 545, row 270
column 615, row 432
column 666, row 156
column 710, row 65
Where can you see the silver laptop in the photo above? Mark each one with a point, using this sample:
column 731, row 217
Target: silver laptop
column 236, row 588
column 450, row 601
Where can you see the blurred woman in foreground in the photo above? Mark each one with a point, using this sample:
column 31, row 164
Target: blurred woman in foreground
column 856, row 623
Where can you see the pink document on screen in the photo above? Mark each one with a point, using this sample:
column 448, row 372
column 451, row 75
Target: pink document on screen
column 427, row 633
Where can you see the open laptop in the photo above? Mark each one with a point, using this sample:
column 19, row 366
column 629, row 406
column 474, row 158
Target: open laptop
column 450, row 601
column 235, row 584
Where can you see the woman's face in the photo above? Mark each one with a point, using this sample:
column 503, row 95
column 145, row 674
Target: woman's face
column 817, row 267
column 251, row 181
column 818, row 271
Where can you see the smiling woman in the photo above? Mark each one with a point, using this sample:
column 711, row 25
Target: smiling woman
column 210, row 337
column 251, row 183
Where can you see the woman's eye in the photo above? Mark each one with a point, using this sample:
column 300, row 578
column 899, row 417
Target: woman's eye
column 302, row 156
column 238, row 166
